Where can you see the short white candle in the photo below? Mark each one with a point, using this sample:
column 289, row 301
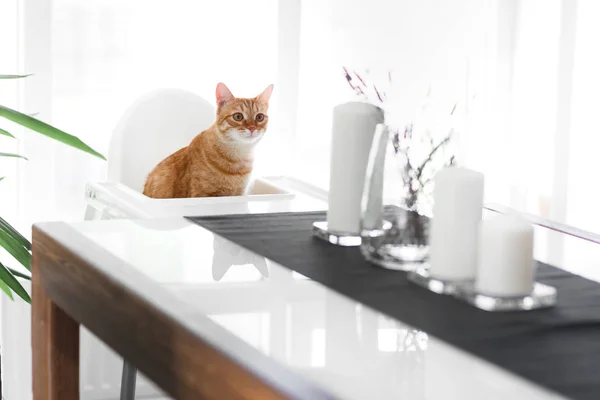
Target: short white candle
column 505, row 262
column 353, row 129
column 457, row 209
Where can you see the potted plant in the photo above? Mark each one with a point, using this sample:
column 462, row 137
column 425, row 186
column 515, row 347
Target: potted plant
column 10, row 239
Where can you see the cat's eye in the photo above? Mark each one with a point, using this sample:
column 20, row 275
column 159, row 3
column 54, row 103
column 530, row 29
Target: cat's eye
column 260, row 117
column 238, row 116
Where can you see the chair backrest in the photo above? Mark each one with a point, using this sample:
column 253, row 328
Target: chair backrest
column 155, row 126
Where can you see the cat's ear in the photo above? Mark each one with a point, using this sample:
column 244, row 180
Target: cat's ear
column 266, row 95
column 223, row 94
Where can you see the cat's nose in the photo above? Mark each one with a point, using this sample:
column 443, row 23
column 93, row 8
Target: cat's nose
column 252, row 129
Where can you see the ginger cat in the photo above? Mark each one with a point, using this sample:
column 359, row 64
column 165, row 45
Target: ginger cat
column 218, row 162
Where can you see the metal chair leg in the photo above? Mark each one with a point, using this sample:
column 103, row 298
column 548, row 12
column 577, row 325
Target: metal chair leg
column 128, row 377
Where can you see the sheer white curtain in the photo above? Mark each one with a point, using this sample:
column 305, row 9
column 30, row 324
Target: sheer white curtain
column 9, row 98
column 425, row 44
column 522, row 72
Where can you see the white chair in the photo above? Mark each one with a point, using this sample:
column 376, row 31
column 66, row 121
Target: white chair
column 156, row 125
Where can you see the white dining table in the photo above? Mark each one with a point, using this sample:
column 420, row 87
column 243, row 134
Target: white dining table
column 275, row 322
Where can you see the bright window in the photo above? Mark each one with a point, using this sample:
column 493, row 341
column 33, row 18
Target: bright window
column 522, row 73
column 108, row 53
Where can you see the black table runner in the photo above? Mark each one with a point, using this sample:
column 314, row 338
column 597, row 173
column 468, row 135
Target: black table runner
column 558, row 348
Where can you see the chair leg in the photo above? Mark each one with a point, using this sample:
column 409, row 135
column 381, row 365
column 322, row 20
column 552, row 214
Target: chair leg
column 128, row 377
column 90, row 213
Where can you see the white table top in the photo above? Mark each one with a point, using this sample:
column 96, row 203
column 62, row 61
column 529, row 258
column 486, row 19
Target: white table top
column 347, row 349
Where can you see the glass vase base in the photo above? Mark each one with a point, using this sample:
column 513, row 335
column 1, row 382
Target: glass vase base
column 395, row 257
column 400, row 246
column 321, row 231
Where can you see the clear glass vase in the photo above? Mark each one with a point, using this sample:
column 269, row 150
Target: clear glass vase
column 397, row 198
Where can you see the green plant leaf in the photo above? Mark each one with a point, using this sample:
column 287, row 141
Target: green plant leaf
column 13, row 76
column 15, row 249
column 12, row 155
column 19, row 274
column 6, row 133
column 13, row 283
column 6, row 290
column 5, row 226
column 47, row 130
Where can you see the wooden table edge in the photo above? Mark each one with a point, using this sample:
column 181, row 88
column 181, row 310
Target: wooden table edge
column 69, row 288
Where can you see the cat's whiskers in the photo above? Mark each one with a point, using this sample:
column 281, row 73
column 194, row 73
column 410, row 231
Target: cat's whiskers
column 244, row 137
column 236, row 145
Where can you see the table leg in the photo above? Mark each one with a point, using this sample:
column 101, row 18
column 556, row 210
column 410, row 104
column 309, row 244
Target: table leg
column 128, row 378
column 55, row 345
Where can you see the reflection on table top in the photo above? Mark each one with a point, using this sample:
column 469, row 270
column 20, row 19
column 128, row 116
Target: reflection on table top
column 346, row 348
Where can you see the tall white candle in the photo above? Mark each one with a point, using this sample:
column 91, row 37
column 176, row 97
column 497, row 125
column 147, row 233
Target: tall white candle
column 353, row 129
column 505, row 262
column 458, row 203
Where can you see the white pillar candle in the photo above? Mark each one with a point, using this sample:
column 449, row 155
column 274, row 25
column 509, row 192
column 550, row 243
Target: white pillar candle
column 457, row 209
column 353, row 129
column 505, row 262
